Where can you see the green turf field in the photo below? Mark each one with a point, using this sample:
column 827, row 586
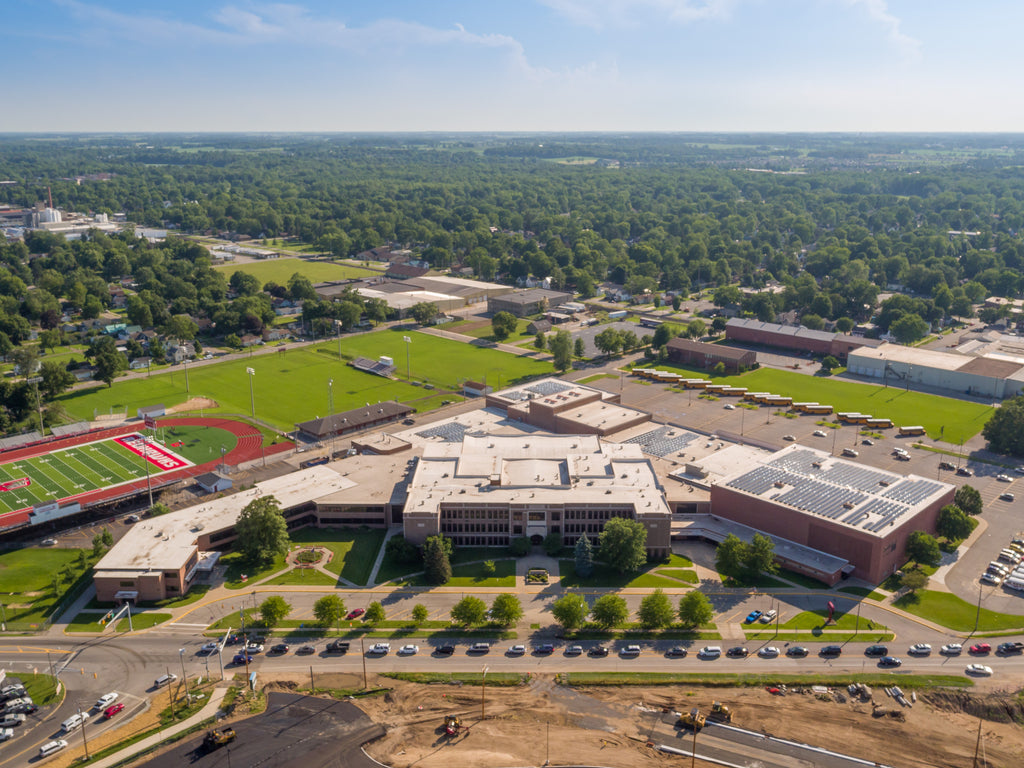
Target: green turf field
column 71, row 471
column 291, row 386
column 280, row 270
column 945, row 418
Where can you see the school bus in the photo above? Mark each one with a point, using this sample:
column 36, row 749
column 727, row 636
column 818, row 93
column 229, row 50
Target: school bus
column 905, row 431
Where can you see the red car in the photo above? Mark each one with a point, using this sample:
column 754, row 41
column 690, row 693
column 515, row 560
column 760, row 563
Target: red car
column 112, row 710
column 355, row 613
column 981, row 648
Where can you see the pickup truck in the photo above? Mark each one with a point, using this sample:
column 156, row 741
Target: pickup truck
column 1010, row 648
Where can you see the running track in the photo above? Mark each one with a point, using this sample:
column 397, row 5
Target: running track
column 246, row 449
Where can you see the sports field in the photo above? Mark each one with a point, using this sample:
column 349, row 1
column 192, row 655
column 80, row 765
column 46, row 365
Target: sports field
column 83, row 468
column 280, row 270
column 292, row 386
column 944, row 418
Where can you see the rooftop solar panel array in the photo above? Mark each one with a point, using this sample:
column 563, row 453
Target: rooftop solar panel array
column 911, row 492
column 856, row 476
column 449, row 432
column 760, row 479
column 545, row 388
column 657, row 442
column 797, row 461
column 821, row 498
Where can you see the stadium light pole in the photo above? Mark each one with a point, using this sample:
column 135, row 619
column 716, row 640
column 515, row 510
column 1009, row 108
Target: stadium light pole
column 185, row 362
column 330, row 411
column 39, row 408
column 408, row 374
column 252, row 400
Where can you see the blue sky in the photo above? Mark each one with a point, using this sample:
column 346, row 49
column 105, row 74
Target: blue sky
column 512, row 65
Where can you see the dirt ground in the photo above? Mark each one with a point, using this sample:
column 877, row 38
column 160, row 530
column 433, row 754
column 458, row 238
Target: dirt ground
column 609, row 726
column 193, row 404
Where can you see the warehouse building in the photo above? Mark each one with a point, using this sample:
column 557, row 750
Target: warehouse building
column 347, row 422
column 707, row 356
column 531, row 301
column 861, row 514
column 994, row 375
column 795, row 337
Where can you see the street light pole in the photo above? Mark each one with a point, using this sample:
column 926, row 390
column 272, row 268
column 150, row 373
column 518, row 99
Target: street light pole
column 181, row 657
column 185, row 361
column 483, row 694
column 252, row 399
column 408, row 374
column 81, row 725
column 330, row 412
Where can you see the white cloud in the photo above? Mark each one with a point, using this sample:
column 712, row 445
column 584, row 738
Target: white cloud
column 608, row 13
column 878, row 11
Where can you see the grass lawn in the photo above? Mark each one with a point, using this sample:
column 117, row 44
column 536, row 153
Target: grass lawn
column 31, row 569
column 304, row 373
column 472, row 575
column 280, row 270
column 863, row 592
column 237, row 565
column 816, row 620
column 308, row 577
column 603, row 576
column 354, row 550
column 746, row 679
column 486, row 332
column 956, row 614
column 960, row 419
column 143, row 621
column 863, row 636
column 690, row 577
column 194, row 595
column 87, row 621
column 799, row 578
column 201, row 444
column 597, row 377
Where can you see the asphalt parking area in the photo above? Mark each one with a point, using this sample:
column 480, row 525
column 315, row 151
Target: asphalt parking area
column 295, row 730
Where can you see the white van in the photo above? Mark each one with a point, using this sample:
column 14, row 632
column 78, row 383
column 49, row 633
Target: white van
column 163, row 680
column 52, row 746
column 850, row 452
column 74, row 722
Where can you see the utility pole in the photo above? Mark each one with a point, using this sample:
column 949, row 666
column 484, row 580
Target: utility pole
column 81, row 725
column 185, row 361
column 362, row 652
column 977, row 616
column 408, row 373
column 483, row 694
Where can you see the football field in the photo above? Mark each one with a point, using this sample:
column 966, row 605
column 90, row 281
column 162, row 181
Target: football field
column 83, row 468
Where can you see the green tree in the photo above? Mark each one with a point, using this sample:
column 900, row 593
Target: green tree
column 829, row 364
column 663, row 334
column 424, row 312
column 923, row 548
column 696, row 328
column 552, row 544
column 909, row 328
column 760, row 556
column 579, row 347
column 608, row 341
column 273, row 610
column 695, row 609
column 503, row 325
column 610, row 611
column 489, row 568
column 400, row 550
column 560, row 347
column 97, row 545
column 374, row 613
column 914, row 579
column 50, row 339
column 844, row 325
column 954, row 523
column 623, row 544
column 719, row 369
column 731, row 557
column 968, row 499
column 262, row 531
column 506, row 609
column 419, row 613
column 584, row 553
column 1005, row 430
column 181, row 327
column 55, row 378
column 25, row 359
column 108, row 364
column 656, row 610
column 158, row 509
column 570, row 611
column 107, row 537
column 469, row 610
column 676, row 302
column 520, row 546
column 329, row 610
column 437, row 551
column 540, row 342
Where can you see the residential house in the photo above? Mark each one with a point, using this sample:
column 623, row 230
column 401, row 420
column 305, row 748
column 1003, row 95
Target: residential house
column 250, row 341
column 275, row 334
column 178, row 352
column 140, row 363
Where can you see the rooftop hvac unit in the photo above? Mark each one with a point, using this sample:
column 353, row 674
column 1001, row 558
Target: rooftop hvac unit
column 779, row 484
column 848, row 505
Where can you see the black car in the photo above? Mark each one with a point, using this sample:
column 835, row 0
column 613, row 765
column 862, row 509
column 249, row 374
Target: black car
column 876, row 650
column 597, row 650
column 796, row 652
column 280, row 648
column 832, row 650
column 737, row 652
column 338, row 646
column 544, row 649
column 1010, row 648
column 889, row 661
column 676, row 653
column 445, row 650
column 305, row 650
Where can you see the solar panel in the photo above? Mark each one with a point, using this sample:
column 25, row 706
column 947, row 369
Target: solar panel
column 797, row 461
column 911, row 492
column 545, row 388
column 449, row 432
column 856, row 476
column 517, row 395
column 658, row 442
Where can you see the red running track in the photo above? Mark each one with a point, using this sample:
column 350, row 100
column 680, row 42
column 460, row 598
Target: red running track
column 247, row 448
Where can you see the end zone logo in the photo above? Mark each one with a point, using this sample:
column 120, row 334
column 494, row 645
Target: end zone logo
column 11, row 485
column 153, row 453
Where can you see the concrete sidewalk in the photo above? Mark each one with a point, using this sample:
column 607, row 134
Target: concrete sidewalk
column 209, row 710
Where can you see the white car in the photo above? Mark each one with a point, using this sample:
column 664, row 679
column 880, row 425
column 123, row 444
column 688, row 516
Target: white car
column 768, row 616
column 6, row 733
column 210, row 647
column 408, row 650
column 710, row 652
column 820, row 433
column 788, row 437
column 920, row 649
column 768, row 652
column 380, row 648
column 978, row 669
column 516, row 650
column 1004, row 478
column 730, row 407
column 254, row 648
column 52, row 746
column 952, row 649
column 106, row 700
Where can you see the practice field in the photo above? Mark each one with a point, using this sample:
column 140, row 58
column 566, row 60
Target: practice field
column 944, row 418
column 89, row 467
column 280, row 270
column 292, row 386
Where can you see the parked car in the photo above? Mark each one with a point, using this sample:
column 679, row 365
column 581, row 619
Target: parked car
column 1010, row 647
column 820, row 433
column 12, row 720
column 445, row 650
column 338, row 646
column 6, row 733
column 768, row 616
column 355, row 613
column 752, row 617
column 730, row 407
column 163, row 680
column 280, row 649
column 709, row 652
column 876, row 650
column 965, row 472
column 630, row 650
column 597, row 650
column 14, row 691
column 408, row 650
column 1006, row 496
column 678, row 652
column 790, row 438
column 22, row 706
column 796, row 651
column 889, row 661
column 831, row 650
column 737, row 652
column 978, row 669
column 951, row 649
column 112, row 710
column 544, row 649
column 379, row 649
column 574, row 650
column 919, row 649
column 947, row 465
column 305, row 650
column 850, row 452
column 768, row 652
column 242, row 658
column 479, row 648
column 867, row 441
column 1004, row 478
column 516, row 650
column 980, row 648
column 106, row 700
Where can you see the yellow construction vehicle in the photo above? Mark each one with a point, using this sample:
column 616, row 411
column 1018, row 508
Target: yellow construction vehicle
column 694, row 719
column 452, row 725
column 720, row 713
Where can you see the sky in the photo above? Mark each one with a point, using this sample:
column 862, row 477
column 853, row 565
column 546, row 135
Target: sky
column 512, row 65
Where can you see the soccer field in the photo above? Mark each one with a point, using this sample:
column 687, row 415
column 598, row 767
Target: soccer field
column 292, row 386
column 83, row 468
column 280, row 270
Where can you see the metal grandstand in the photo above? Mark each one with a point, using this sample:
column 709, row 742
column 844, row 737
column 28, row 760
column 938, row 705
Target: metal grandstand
column 663, row 441
column 376, row 367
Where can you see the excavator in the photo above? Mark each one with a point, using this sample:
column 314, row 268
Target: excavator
column 217, row 738
column 693, row 719
column 452, row 725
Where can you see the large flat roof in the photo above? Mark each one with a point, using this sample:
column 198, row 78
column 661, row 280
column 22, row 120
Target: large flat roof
column 168, row 541
column 848, row 494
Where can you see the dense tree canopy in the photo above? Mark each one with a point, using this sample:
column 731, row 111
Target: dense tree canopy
column 262, row 531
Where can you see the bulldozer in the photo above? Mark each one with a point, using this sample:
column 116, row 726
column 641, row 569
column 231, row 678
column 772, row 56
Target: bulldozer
column 452, row 725
column 720, row 713
column 694, row 719
column 217, row 738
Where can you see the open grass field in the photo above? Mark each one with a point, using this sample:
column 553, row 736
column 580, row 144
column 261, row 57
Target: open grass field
column 23, row 571
column 76, row 470
column 956, row 614
column 651, row 575
column 943, row 417
column 280, row 270
column 354, row 551
column 303, row 374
